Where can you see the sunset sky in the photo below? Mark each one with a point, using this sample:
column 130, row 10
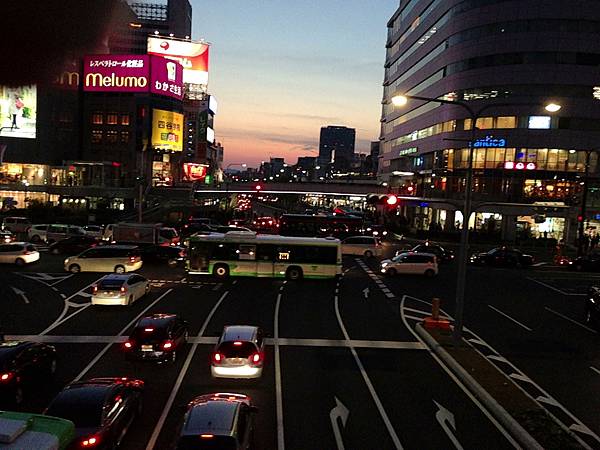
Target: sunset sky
column 282, row 69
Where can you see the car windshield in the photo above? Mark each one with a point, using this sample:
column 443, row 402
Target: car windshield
column 149, row 334
column 83, row 408
column 213, row 443
column 110, row 285
column 236, row 349
column 168, row 233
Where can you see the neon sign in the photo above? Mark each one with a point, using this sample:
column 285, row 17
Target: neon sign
column 489, row 142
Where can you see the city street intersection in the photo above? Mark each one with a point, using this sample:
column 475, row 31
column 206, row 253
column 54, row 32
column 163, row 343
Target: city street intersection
column 344, row 366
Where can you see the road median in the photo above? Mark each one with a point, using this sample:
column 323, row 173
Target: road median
column 524, row 418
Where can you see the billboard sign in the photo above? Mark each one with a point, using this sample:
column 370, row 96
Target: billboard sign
column 193, row 56
column 167, row 130
column 133, row 73
column 194, row 171
column 18, row 111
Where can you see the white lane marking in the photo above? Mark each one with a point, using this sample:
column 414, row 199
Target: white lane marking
column 509, row 318
column 591, row 330
column 208, row 340
column 181, row 376
column 61, row 280
column 339, row 411
column 578, row 424
column 125, row 328
column 595, row 370
column 446, row 420
column 21, row 294
column 367, row 380
column 61, row 318
column 553, row 288
column 278, row 389
column 459, row 383
column 63, row 295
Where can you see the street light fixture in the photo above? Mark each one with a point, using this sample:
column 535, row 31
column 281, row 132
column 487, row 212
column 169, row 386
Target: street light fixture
column 402, row 100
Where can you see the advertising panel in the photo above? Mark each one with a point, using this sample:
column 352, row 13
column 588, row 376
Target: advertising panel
column 194, row 171
column 133, row 73
column 167, row 130
column 18, row 111
column 193, row 56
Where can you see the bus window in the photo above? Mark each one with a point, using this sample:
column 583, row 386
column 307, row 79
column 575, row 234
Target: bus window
column 200, row 256
column 265, row 252
column 247, row 252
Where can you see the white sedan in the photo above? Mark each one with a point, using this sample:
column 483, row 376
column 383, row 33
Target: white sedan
column 120, row 290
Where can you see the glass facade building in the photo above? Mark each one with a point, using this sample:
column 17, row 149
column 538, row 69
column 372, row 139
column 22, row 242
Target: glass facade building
column 511, row 58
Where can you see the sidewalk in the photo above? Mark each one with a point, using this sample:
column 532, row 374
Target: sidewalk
column 524, row 418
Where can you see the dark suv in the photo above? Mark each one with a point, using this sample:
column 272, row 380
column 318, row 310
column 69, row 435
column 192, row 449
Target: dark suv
column 217, row 421
column 22, row 365
column 157, row 337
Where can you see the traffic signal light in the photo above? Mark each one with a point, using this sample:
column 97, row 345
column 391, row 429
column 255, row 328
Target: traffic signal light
column 258, row 187
column 580, row 218
column 391, row 200
column 383, row 199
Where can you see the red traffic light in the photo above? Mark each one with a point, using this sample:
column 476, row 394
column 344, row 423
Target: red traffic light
column 258, row 187
column 392, row 200
column 579, row 218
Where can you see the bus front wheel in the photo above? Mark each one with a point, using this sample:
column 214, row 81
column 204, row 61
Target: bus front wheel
column 294, row 273
column 221, row 271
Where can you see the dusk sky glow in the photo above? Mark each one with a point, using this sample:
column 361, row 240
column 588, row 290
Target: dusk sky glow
column 280, row 70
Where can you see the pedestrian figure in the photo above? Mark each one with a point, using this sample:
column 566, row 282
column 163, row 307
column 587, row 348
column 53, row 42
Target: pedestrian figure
column 15, row 110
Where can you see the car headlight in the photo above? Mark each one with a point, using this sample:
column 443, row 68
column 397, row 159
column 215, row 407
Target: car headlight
column 67, row 261
column 384, row 264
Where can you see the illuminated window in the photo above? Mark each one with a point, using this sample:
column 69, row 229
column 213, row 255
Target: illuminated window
column 97, row 118
column 124, row 137
column 112, row 118
column 96, row 136
column 111, row 136
column 124, row 119
column 506, row 122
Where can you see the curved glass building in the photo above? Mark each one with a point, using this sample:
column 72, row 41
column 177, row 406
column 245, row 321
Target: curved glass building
column 506, row 60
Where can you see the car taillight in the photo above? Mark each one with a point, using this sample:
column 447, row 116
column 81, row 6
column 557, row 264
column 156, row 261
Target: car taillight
column 90, row 441
column 218, row 358
column 95, row 289
column 132, row 259
column 255, row 358
column 7, row 376
column 167, row 345
column 124, row 288
column 128, row 344
column 207, row 436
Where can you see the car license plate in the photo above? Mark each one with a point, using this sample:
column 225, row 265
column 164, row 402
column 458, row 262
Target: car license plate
column 147, row 348
column 237, row 361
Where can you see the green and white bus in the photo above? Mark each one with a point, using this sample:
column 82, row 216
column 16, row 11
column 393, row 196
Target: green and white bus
column 256, row 255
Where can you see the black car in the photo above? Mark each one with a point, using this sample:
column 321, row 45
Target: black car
column 440, row 252
column 73, row 245
column 102, row 410
column 172, row 256
column 592, row 307
column 157, row 337
column 502, row 257
column 217, row 421
column 23, row 365
column 589, row 263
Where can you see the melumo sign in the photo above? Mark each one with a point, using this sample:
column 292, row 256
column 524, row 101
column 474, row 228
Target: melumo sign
column 133, row 73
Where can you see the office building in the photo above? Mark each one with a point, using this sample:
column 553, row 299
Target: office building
column 519, row 56
column 336, row 146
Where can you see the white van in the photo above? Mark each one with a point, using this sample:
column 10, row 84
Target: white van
column 106, row 258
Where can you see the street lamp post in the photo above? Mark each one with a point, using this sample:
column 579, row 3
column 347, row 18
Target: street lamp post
column 583, row 206
column 402, row 100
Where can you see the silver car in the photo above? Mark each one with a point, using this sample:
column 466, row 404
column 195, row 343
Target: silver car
column 239, row 353
column 122, row 290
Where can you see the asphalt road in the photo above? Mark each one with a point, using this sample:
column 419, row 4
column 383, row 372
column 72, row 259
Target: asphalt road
column 351, row 373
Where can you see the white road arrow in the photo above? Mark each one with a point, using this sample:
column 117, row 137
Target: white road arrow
column 341, row 412
column 20, row 293
column 446, row 421
column 366, row 292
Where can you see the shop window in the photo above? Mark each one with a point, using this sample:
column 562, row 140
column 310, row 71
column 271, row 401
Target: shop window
column 97, row 118
column 96, row 136
column 111, row 136
column 124, row 119
column 112, row 119
column 124, row 137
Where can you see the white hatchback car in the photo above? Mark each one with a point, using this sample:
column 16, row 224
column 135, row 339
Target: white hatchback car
column 19, row 253
column 120, row 290
column 366, row 246
column 239, row 353
column 106, row 258
column 411, row 263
